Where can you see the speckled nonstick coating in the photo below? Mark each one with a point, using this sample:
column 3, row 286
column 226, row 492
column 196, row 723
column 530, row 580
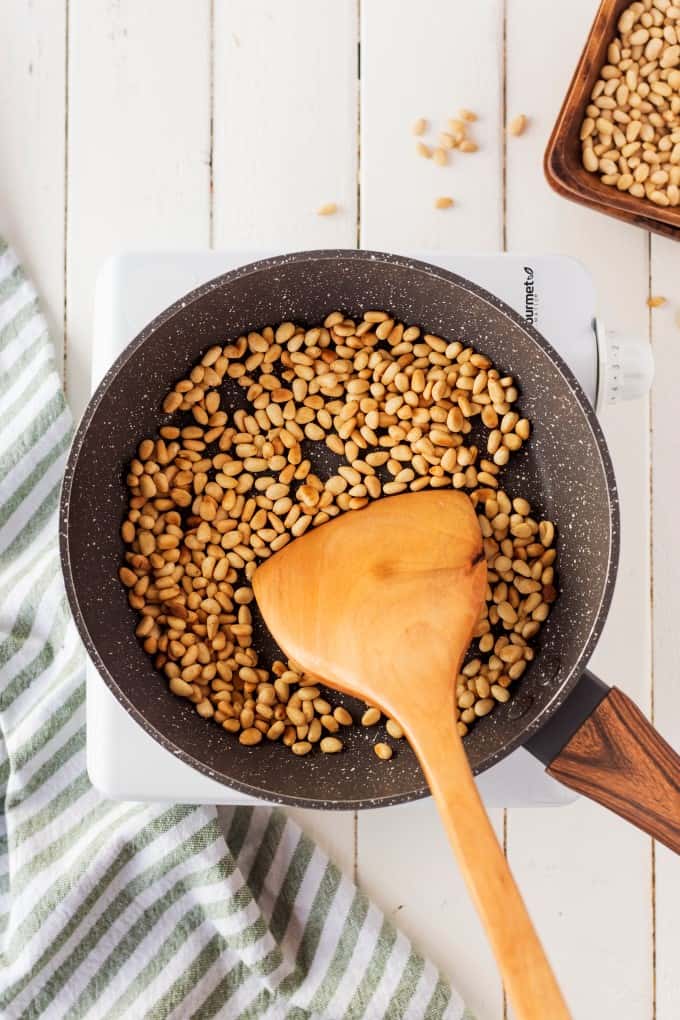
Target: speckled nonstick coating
column 565, row 472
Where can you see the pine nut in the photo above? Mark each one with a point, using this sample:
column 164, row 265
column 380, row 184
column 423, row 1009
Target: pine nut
column 180, row 687
column 331, row 745
column 370, row 717
column 518, row 125
column 342, row 716
column 484, row 706
column 212, row 499
column 250, row 736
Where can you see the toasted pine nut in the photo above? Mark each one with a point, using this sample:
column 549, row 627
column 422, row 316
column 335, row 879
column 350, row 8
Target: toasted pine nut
column 331, row 745
column 211, row 499
column 370, row 717
column 394, row 729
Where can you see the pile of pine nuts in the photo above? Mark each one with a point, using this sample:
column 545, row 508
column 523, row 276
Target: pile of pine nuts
column 455, row 137
column 631, row 132
column 215, row 494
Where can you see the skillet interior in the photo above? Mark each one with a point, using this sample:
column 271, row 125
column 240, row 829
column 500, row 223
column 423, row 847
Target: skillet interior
column 564, row 471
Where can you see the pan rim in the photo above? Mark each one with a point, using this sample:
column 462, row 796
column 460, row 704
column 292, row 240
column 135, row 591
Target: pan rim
column 524, row 732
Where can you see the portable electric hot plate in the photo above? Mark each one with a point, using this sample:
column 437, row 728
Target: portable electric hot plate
column 554, row 293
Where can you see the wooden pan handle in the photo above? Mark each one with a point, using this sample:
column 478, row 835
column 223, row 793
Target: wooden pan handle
column 618, row 759
column 528, row 978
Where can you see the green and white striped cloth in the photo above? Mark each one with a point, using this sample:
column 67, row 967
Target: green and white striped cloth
column 112, row 909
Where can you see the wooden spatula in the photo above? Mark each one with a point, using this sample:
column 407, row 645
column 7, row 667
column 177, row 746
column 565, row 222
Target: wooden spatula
column 381, row 604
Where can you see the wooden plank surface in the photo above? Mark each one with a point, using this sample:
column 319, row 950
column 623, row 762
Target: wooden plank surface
column 32, row 142
column 139, row 146
column 665, row 330
column 273, row 86
column 284, row 144
column 595, row 915
column 285, row 123
column 410, row 71
column 430, row 59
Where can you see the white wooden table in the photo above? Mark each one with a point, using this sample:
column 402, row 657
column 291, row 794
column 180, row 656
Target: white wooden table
column 186, row 123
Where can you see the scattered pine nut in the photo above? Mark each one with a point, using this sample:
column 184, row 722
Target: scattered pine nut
column 419, row 126
column 457, row 126
column 328, row 209
column 467, row 145
column 440, row 157
column 423, row 150
column 517, row 125
column 467, row 115
column 656, row 302
column 383, row 751
column 443, row 202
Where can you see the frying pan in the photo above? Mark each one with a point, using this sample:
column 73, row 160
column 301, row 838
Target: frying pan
column 590, row 737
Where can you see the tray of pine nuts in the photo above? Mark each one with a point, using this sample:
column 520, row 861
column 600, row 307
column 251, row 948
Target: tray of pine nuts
column 630, row 135
column 330, row 417
column 616, row 143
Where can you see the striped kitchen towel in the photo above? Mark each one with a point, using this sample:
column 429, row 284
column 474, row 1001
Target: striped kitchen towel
column 112, row 909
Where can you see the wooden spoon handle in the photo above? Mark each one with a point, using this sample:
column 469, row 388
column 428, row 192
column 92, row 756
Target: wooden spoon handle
column 529, row 981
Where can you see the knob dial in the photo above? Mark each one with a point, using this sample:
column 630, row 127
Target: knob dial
column 625, row 366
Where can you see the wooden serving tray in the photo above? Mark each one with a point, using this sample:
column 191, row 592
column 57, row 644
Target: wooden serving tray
column 562, row 162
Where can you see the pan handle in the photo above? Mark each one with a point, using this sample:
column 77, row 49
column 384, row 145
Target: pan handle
column 601, row 745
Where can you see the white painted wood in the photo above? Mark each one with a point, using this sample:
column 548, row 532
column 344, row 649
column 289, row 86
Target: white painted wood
column 139, row 145
column 32, row 126
column 665, row 274
column 335, row 834
column 428, row 59
column 587, row 875
column 285, row 142
column 406, row 866
column 285, row 131
column 285, row 124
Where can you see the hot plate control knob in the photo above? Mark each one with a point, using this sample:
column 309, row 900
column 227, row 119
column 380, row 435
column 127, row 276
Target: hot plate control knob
column 625, row 366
